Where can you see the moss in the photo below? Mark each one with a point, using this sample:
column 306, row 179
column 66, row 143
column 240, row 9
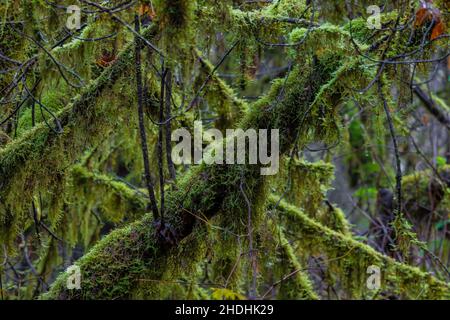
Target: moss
column 117, row 198
column 426, row 194
column 176, row 24
column 115, row 260
column 176, row 14
column 304, row 183
column 349, row 260
column 110, row 271
column 132, row 261
column 4, row 139
column 202, row 194
column 54, row 100
column 221, row 97
column 37, row 161
column 295, row 283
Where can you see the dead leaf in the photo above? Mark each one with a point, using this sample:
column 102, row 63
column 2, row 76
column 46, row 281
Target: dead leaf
column 422, row 15
column 438, row 30
column 146, row 10
column 106, row 59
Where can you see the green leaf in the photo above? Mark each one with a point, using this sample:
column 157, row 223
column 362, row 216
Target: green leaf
column 226, row 294
column 366, row 193
column 441, row 161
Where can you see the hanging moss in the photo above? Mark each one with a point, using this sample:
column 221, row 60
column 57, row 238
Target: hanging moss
column 349, row 260
column 221, row 97
column 117, row 200
column 200, row 192
column 37, row 161
column 295, row 283
column 304, row 183
column 210, row 204
column 176, row 23
column 427, row 195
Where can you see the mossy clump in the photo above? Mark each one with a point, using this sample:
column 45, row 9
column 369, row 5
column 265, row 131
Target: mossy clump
column 349, row 259
column 427, row 194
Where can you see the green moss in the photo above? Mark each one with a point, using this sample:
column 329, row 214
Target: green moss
column 117, row 198
column 131, row 262
column 305, row 183
column 349, row 259
column 295, row 283
column 424, row 190
column 200, row 196
column 221, row 97
column 38, row 160
column 176, row 14
column 176, row 25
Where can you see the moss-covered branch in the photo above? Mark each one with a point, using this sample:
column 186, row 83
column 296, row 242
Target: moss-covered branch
column 220, row 95
column 38, row 160
column 295, row 284
column 116, row 198
column 343, row 253
column 114, row 266
column 349, row 259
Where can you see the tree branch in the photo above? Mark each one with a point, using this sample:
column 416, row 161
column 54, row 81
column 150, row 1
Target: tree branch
column 432, row 108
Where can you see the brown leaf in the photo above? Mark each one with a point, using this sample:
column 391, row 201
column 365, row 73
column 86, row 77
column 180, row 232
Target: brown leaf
column 438, row 29
column 422, row 15
column 143, row 8
column 106, row 59
column 146, row 10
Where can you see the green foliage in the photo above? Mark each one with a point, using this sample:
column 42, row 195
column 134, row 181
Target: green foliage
column 349, row 259
column 225, row 294
column 87, row 179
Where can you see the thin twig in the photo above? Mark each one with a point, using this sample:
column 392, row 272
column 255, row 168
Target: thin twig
column 252, row 256
column 160, row 144
column 170, row 164
column 398, row 176
column 143, row 135
column 197, row 95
